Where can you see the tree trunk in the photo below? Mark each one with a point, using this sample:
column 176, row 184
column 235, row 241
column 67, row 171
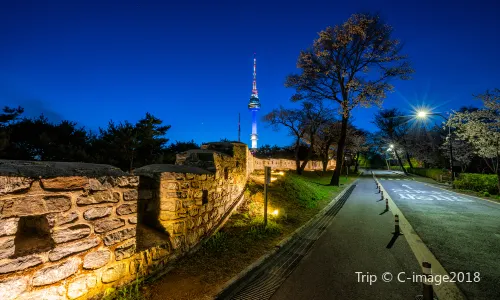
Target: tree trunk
column 325, row 157
column 297, row 160
column 399, row 161
column 356, row 163
column 409, row 160
column 498, row 179
column 340, row 153
column 309, row 153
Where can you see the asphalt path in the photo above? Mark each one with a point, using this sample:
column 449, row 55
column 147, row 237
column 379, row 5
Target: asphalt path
column 463, row 232
column 357, row 240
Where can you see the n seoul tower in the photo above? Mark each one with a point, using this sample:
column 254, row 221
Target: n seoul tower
column 254, row 105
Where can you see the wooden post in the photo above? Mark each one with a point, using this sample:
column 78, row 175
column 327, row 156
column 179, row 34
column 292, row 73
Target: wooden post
column 267, row 180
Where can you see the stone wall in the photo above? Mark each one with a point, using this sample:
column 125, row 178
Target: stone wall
column 72, row 231
column 65, row 228
column 287, row 164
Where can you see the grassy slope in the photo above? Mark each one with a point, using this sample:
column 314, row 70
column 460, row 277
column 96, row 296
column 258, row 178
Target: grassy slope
column 243, row 240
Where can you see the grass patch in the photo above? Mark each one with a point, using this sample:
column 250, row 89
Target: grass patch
column 244, row 238
column 133, row 291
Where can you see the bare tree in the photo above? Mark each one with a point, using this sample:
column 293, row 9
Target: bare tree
column 350, row 64
column 293, row 120
column 301, row 122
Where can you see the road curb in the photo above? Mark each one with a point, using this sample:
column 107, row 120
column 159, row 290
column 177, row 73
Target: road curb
column 264, row 258
column 422, row 253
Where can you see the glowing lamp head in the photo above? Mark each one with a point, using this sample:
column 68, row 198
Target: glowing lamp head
column 391, row 146
column 422, row 114
column 275, row 212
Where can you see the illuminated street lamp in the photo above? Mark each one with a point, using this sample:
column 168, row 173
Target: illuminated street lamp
column 422, row 114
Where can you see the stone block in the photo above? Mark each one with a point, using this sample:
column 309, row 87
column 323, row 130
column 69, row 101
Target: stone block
column 167, row 215
column 177, row 242
column 159, row 253
column 71, row 233
column 167, row 176
column 179, row 227
column 7, row 246
column 51, row 293
column 192, row 238
column 114, row 273
column 58, row 219
column 99, row 197
column 106, row 225
column 125, row 250
column 135, row 266
column 126, row 209
column 66, row 183
column 127, row 181
column 97, row 212
column 188, row 203
column 57, row 272
column 195, row 185
column 172, row 186
column 190, row 223
column 185, row 185
column 193, row 211
column 132, row 220
column 20, row 263
column 119, row 236
column 96, row 185
column 12, row 287
column 169, row 205
column 80, row 285
column 9, row 184
column 97, row 259
column 8, row 226
column 57, row 203
column 131, row 195
column 199, row 220
column 23, row 206
column 70, row 249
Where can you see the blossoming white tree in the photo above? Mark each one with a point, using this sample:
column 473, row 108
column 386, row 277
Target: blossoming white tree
column 481, row 129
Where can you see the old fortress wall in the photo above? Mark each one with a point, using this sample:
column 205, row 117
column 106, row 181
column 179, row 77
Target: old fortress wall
column 73, row 230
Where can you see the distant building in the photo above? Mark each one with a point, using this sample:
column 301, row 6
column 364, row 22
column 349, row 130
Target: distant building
column 254, row 106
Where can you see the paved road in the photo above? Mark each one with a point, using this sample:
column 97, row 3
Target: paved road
column 462, row 232
column 356, row 241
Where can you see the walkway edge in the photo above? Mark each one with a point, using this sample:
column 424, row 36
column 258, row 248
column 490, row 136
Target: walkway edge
column 261, row 260
column 444, row 291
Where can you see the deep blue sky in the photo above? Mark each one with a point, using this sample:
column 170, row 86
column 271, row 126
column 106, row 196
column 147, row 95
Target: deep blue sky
column 190, row 62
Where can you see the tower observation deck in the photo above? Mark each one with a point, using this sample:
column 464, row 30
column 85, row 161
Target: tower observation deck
column 254, row 106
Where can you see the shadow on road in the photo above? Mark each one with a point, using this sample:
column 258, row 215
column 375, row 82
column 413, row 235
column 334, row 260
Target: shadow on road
column 385, row 210
column 393, row 240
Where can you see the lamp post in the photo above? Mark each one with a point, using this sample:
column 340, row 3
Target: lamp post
column 422, row 114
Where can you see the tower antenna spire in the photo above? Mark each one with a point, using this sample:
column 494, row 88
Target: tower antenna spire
column 254, row 87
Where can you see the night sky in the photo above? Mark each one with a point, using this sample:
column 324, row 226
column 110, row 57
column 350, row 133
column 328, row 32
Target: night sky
column 190, row 62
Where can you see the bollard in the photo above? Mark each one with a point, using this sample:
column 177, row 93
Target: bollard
column 396, row 225
column 381, row 195
column 427, row 286
column 386, row 204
